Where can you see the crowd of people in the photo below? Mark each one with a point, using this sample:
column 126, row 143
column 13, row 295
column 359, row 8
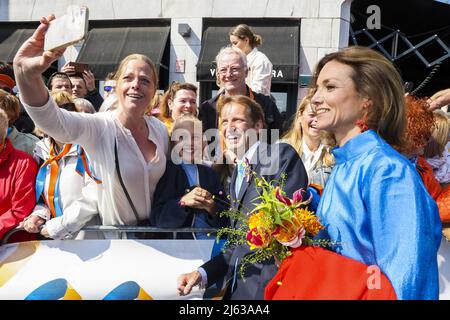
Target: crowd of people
column 377, row 159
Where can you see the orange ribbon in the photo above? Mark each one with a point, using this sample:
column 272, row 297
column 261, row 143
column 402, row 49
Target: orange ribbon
column 54, row 169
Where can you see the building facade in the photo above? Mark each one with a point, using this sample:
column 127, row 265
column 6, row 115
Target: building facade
column 181, row 36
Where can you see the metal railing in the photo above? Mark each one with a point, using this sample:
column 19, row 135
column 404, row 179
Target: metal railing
column 128, row 229
column 394, row 53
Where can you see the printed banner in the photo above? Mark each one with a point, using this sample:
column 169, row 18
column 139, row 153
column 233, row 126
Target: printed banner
column 101, row 269
column 119, row 269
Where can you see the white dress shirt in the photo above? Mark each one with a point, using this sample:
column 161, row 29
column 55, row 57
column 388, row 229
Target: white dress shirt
column 310, row 158
column 259, row 77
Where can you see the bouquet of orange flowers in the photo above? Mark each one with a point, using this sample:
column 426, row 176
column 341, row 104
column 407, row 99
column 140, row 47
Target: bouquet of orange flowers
column 275, row 225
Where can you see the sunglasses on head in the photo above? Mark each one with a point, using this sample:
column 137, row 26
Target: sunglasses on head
column 108, row 88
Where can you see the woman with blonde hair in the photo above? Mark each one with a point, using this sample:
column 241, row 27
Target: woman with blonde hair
column 259, row 77
column 127, row 149
column 64, row 100
column 437, row 153
column 313, row 145
column 437, row 150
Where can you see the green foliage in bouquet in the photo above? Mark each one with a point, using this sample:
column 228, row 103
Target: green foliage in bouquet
column 275, row 225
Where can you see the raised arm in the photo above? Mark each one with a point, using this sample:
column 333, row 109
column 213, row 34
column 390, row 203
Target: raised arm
column 30, row 62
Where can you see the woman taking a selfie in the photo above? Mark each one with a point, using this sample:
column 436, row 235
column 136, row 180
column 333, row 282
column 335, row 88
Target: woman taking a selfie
column 127, row 149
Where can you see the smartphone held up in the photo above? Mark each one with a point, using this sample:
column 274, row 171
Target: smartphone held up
column 67, row 30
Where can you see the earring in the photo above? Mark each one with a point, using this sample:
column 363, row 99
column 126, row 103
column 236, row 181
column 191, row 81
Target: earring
column 362, row 123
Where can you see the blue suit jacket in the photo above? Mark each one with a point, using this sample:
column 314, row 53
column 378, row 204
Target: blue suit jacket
column 283, row 159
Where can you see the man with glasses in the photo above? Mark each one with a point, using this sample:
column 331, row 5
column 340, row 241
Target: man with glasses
column 231, row 72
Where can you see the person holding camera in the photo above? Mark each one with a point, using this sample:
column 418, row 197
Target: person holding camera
column 83, row 83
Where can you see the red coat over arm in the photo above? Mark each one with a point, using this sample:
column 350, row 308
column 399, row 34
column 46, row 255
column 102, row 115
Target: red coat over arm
column 314, row 273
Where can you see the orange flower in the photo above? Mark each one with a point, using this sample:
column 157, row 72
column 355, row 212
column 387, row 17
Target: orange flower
column 256, row 220
column 287, row 231
column 309, row 221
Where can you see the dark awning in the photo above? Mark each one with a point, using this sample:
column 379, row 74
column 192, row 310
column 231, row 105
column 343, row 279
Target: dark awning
column 280, row 45
column 12, row 36
column 104, row 48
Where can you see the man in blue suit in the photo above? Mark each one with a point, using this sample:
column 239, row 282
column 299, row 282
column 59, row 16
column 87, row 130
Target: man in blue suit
column 242, row 119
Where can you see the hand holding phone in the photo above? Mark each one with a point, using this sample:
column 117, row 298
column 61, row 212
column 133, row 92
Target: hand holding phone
column 74, row 68
column 68, row 29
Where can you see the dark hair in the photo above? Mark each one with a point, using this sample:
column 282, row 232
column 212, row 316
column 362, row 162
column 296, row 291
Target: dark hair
column 7, row 69
column 243, row 31
column 57, row 75
column 78, row 76
column 170, row 95
column 376, row 79
column 7, row 76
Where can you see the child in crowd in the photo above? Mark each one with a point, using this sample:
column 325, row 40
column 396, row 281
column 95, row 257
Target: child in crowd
column 437, row 151
column 188, row 193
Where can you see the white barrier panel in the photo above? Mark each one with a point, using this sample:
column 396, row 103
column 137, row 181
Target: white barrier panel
column 100, row 269
column 444, row 270
column 119, row 269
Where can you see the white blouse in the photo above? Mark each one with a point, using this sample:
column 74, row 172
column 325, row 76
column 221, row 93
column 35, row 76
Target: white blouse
column 310, row 158
column 77, row 212
column 97, row 133
column 259, row 77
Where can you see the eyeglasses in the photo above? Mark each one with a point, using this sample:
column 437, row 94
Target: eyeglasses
column 108, row 88
column 70, row 106
column 233, row 70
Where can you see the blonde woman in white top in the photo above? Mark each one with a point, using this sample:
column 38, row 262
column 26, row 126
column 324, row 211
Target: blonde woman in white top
column 259, row 77
column 313, row 145
column 142, row 141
